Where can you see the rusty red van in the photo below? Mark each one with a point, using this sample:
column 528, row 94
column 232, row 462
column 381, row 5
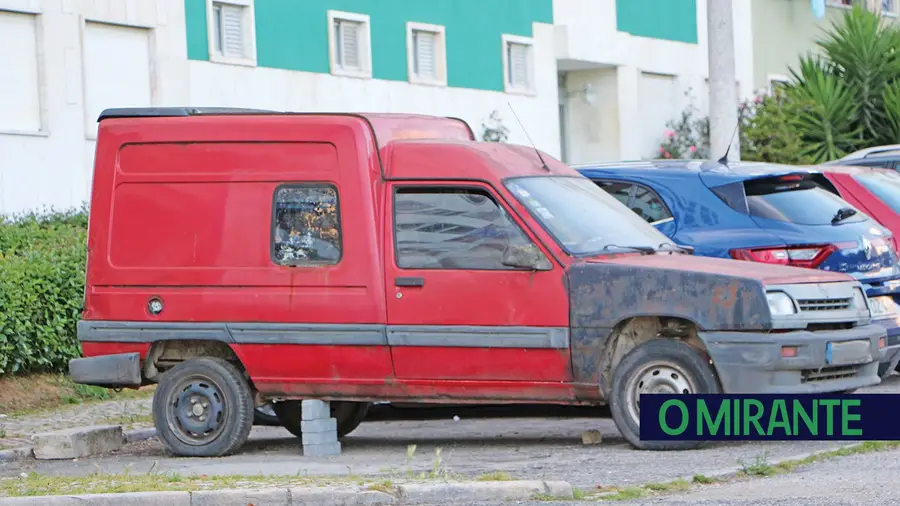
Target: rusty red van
column 241, row 257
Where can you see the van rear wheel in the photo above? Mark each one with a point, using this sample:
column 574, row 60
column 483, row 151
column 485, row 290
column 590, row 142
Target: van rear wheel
column 203, row 407
column 348, row 415
column 663, row 366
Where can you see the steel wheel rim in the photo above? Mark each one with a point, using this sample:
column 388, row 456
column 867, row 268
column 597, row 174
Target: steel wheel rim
column 196, row 410
column 659, row 377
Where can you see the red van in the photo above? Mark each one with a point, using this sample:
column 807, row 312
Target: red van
column 241, row 257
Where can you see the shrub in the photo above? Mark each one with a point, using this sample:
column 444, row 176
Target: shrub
column 851, row 91
column 42, row 260
column 769, row 132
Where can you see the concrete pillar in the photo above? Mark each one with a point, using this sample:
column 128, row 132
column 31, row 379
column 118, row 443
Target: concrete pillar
column 630, row 128
column 319, row 429
column 723, row 99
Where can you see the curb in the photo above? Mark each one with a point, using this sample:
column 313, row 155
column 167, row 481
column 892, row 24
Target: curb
column 731, row 472
column 414, row 493
column 27, row 452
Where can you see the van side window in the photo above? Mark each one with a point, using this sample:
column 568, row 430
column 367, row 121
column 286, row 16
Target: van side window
column 307, row 225
column 452, row 228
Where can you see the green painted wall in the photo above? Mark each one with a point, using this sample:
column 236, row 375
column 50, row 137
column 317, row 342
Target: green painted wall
column 293, row 34
column 659, row 19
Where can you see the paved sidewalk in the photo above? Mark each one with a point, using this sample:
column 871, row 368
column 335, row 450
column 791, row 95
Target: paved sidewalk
column 131, row 414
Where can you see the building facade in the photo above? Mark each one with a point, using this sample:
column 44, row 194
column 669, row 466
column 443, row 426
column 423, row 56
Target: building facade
column 590, row 80
column 786, row 29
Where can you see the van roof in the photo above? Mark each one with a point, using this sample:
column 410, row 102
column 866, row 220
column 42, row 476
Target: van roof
column 386, row 127
column 411, row 146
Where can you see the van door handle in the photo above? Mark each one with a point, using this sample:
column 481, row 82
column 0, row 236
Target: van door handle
column 409, row 281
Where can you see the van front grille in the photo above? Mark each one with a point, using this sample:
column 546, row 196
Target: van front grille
column 824, row 304
column 829, row 373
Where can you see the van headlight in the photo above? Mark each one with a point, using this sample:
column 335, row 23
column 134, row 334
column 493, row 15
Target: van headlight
column 859, row 301
column 780, row 304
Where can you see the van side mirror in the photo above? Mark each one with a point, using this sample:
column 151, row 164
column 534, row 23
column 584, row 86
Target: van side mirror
column 526, row 257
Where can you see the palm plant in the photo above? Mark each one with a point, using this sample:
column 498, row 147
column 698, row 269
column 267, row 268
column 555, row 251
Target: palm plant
column 851, row 92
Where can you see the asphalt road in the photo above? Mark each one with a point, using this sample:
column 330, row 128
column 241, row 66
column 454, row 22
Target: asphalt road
column 526, row 448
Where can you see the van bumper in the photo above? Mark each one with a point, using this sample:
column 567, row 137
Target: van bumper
column 112, row 371
column 825, row 361
column 890, row 355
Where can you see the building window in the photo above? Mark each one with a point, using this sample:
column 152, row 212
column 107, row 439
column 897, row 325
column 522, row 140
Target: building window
column 889, row 7
column 20, row 79
column 349, row 42
column 518, row 64
column 426, row 53
column 231, row 32
column 452, row 228
column 777, row 82
column 306, row 225
column 841, row 3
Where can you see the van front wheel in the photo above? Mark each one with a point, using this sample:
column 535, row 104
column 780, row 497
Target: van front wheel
column 662, row 366
column 203, row 407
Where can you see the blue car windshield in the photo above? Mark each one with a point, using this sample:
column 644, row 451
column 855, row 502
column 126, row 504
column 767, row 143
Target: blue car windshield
column 581, row 217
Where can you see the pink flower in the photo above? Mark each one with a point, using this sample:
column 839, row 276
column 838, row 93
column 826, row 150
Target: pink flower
column 669, row 134
column 758, row 100
column 668, row 155
column 662, row 149
column 693, row 149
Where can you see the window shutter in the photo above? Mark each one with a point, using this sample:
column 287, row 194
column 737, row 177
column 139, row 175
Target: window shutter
column 233, row 31
column 519, row 73
column 349, row 41
column 424, row 45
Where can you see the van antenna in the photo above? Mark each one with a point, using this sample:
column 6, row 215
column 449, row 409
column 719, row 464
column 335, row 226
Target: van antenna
column 724, row 159
column 541, row 158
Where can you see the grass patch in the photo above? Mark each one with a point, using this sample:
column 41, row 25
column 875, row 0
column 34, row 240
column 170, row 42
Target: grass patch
column 495, row 476
column 35, row 484
column 35, row 393
column 701, row 479
column 128, row 420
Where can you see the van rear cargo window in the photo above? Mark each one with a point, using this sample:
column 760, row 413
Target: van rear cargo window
column 795, row 199
column 307, row 225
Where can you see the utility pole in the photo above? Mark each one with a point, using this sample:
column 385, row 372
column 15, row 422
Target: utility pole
column 723, row 95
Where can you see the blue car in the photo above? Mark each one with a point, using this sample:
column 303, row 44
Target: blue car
column 767, row 213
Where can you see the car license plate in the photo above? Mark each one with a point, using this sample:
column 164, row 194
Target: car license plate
column 847, row 352
column 883, row 306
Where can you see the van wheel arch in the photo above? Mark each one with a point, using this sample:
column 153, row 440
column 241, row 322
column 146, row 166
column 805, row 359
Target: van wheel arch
column 165, row 354
column 632, row 332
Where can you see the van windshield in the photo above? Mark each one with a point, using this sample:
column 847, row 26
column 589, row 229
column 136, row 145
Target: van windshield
column 582, row 218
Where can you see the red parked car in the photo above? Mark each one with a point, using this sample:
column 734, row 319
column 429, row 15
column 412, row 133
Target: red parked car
column 876, row 192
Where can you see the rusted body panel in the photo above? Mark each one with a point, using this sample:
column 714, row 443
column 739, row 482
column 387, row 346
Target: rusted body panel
column 603, row 295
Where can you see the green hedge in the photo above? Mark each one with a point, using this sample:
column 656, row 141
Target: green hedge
column 42, row 259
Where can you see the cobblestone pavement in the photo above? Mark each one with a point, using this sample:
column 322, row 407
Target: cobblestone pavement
column 132, row 413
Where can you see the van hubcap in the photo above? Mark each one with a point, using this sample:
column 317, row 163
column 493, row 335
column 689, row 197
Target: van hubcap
column 656, row 378
column 196, row 411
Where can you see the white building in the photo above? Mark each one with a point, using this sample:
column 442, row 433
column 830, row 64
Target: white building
column 589, row 79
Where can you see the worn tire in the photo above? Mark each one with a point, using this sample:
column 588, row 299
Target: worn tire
column 262, row 416
column 689, row 361
column 235, row 398
column 348, row 415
